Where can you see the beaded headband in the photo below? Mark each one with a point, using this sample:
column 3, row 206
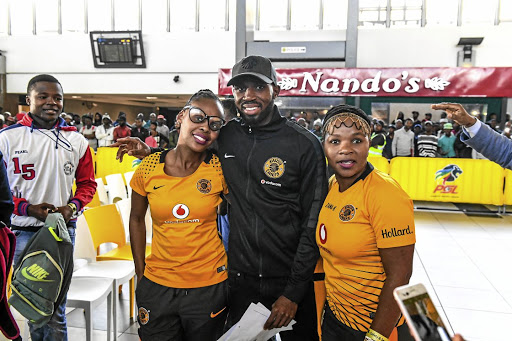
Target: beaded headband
column 340, row 119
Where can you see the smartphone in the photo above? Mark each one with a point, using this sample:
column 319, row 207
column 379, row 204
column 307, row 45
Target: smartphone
column 420, row 313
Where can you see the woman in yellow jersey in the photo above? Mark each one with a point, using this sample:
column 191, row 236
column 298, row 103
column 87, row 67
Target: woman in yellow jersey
column 182, row 290
column 365, row 234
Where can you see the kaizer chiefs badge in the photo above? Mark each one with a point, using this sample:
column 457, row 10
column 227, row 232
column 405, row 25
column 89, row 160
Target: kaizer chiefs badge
column 204, row 186
column 347, row 213
column 143, row 316
column 274, row 167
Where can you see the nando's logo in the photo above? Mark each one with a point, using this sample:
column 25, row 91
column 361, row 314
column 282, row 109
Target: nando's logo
column 448, row 174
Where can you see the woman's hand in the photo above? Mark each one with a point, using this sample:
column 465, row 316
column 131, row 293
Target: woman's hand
column 132, row 146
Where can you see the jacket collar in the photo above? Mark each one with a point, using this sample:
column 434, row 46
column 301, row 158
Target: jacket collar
column 275, row 123
column 28, row 121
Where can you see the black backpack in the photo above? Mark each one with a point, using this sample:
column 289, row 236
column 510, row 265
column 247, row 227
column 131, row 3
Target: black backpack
column 43, row 273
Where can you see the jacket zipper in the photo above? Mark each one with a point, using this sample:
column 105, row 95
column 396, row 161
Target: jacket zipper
column 247, row 198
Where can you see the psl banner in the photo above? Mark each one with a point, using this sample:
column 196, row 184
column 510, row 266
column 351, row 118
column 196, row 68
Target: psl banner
column 403, row 82
column 450, row 180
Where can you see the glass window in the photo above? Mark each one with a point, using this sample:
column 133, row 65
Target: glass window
column 273, row 15
column 47, row 16
column 372, row 12
column 126, row 15
column 505, row 10
column 183, row 15
column 406, row 12
column 335, row 14
column 477, row 12
column 21, row 16
column 3, row 16
column 212, row 15
column 442, row 12
column 99, row 15
column 305, row 14
column 72, row 16
column 154, row 16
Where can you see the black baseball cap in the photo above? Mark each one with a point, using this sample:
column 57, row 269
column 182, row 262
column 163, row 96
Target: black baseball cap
column 257, row 66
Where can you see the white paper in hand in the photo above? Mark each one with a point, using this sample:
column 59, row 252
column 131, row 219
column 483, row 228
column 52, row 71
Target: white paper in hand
column 250, row 326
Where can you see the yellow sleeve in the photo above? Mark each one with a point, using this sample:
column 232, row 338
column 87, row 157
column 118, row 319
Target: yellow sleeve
column 225, row 190
column 391, row 214
column 138, row 182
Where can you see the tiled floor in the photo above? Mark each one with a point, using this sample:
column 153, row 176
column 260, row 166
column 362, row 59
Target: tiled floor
column 461, row 259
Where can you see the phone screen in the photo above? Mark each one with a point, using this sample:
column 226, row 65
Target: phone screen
column 426, row 321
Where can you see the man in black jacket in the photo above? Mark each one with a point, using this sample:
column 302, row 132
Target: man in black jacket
column 275, row 171
column 276, row 175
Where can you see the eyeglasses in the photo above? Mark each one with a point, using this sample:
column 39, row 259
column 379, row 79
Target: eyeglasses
column 198, row 116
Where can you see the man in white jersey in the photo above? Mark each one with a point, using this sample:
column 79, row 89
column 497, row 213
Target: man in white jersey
column 43, row 156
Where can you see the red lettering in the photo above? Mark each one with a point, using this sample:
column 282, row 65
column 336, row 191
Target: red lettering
column 446, row 189
column 438, row 188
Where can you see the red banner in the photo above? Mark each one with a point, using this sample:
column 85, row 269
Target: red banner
column 403, row 82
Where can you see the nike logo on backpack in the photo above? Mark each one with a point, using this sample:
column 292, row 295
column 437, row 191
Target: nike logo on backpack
column 35, row 273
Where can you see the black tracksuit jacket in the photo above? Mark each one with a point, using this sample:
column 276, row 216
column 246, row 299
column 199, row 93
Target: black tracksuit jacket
column 276, row 177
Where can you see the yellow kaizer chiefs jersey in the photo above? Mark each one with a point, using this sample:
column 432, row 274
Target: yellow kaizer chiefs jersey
column 186, row 251
column 373, row 213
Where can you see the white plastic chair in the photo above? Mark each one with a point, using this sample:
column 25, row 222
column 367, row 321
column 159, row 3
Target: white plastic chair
column 88, row 293
column 102, row 192
column 120, row 271
column 116, row 188
column 124, row 207
column 128, row 177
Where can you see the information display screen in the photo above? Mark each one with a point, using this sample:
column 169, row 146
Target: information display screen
column 115, row 50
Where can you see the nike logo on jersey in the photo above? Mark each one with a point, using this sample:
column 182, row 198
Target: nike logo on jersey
column 227, row 156
column 212, row 315
column 155, row 187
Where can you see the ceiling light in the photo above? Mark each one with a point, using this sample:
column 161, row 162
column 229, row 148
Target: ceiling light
column 76, row 96
column 151, row 97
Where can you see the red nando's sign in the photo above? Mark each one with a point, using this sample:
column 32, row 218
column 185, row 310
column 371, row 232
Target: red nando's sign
column 403, row 82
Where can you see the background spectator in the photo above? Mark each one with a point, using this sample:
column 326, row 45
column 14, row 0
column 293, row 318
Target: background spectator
column 69, row 119
column 156, row 139
column 138, row 129
column 105, row 132
column 97, row 119
column 403, row 142
column 88, row 130
column 317, row 128
column 122, row 130
column 389, row 141
column 427, row 142
column 446, row 142
column 152, row 119
column 162, row 128
column 77, row 122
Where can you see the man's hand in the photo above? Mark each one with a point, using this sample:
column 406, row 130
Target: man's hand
column 283, row 311
column 66, row 212
column 132, row 146
column 457, row 113
column 41, row 211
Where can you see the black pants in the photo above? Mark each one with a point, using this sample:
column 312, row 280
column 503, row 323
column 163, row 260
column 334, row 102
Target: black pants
column 172, row 314
column 334, row 330
column 244, row 290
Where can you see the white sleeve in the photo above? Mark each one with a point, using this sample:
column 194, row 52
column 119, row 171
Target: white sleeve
column 473, row 130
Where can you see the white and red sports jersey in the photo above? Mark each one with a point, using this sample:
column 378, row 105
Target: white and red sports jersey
column 42, row 164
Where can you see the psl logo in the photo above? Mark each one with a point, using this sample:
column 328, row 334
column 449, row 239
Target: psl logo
column 449, row 173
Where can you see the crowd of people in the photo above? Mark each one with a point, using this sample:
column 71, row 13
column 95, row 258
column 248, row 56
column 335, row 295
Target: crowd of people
column 101, row 130
column 424, row 137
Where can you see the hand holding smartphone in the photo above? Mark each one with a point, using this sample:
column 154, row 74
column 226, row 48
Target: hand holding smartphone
column 420, row 313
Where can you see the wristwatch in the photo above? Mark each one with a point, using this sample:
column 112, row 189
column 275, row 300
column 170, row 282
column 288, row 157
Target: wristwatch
column 73, row 207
